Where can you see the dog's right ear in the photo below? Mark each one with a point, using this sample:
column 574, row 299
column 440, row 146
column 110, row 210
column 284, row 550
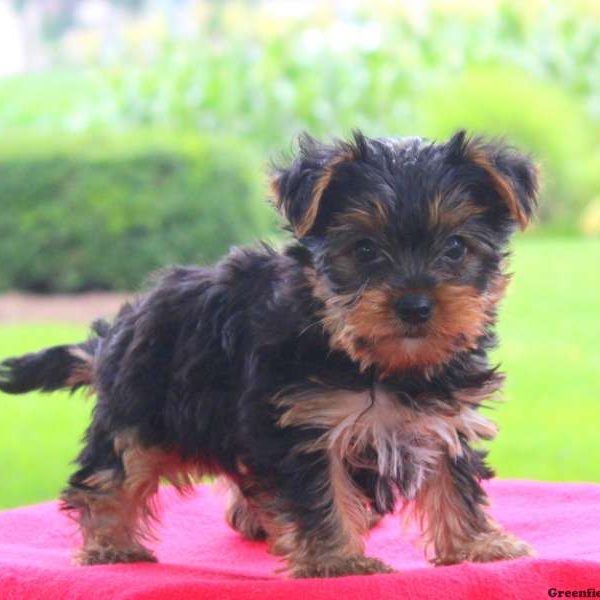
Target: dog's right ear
column 298, row 189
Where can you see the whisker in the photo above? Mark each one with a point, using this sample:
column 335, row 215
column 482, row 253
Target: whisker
column 317, row 322
column 357, row 295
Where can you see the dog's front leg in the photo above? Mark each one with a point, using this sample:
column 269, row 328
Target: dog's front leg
column 452, row 508
column 316, row 519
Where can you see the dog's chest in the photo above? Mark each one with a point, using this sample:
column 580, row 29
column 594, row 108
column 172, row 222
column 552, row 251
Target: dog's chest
column 374, row 430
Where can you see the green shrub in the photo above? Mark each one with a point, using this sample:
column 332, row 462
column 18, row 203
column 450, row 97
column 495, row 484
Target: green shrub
column 100, row 213
column 538, row 117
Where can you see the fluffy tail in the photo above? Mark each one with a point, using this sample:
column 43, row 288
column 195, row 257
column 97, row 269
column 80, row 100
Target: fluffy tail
column 68, row 366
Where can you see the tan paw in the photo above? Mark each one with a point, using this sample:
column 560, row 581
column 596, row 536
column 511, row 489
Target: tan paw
column 354, row 565
column 487, row 547
column 102, row 555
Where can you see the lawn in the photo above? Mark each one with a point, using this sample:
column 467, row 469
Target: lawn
column 550, row 326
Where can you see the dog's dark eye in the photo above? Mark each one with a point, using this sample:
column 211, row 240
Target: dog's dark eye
column 365, row 251
column 455, row 249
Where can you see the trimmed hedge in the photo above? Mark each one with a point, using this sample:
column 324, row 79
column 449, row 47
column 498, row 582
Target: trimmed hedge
column 99, row 213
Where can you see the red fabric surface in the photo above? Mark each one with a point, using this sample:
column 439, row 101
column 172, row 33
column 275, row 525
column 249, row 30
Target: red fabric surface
column 202, row 558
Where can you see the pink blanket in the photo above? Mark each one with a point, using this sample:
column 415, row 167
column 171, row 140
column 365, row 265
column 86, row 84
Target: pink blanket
column 202, row 558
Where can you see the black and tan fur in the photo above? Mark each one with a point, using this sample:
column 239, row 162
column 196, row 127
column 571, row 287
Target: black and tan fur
column 327, row 383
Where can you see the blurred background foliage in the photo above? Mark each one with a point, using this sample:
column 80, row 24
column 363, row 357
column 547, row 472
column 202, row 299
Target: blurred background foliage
column 252, row 75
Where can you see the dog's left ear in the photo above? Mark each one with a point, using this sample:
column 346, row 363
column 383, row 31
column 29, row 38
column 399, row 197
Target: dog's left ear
column 298, row 190
column 514, row 176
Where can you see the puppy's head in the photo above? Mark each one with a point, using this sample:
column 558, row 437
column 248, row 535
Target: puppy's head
column 408, row 239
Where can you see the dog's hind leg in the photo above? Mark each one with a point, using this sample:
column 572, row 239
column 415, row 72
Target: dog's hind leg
column 111, row 497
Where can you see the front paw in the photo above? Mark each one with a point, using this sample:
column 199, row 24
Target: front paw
column 339, row 567
column 487, row 547
column 103, row 555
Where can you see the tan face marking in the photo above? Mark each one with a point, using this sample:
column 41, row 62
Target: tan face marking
column 369, row 331
column 441, row 216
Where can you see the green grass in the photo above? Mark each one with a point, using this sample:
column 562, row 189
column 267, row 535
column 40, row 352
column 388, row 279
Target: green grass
column 550, row 328
column 39, row 433
column 550, row 325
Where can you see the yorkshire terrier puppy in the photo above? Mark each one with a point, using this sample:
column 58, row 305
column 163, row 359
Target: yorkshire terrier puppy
column 328, row 382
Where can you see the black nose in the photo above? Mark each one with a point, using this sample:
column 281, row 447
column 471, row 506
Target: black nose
column 415, row 308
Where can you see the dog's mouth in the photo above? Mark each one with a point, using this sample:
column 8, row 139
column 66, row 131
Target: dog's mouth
column 408, row 331
column 413, row 332
column 414, row 336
